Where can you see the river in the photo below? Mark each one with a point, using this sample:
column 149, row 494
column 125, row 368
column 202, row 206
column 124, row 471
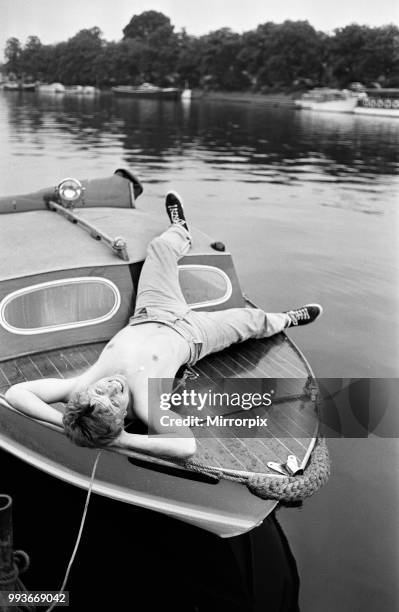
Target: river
column 307, row 203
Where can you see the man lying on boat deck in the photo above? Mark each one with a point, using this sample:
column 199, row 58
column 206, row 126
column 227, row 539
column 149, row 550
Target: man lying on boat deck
column 163, row 334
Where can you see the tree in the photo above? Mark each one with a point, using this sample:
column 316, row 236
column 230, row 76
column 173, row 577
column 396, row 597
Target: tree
column 34, row 58
column 286, row 52
column 381, row 57
column 152, row 48
column 80, row 57
column 145, row 25
column 360, row 53
column 220, row 63
column 13, row 55
column 346, row 52
column 188, row 64
column 114, row 65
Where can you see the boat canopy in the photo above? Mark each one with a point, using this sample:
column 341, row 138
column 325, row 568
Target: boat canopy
column 117, row 191
column 61, row 245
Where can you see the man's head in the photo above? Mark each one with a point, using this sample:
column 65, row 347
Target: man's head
column 95, row 417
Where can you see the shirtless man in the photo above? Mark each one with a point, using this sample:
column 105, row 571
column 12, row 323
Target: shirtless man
column 163, row 334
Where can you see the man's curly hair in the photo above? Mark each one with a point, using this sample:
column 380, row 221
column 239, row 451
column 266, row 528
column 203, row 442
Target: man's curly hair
column 90, row 423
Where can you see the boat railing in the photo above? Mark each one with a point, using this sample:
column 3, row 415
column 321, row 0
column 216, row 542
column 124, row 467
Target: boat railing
column 379, row 102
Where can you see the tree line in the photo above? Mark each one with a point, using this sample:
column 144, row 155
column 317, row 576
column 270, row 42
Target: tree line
column 270, row 57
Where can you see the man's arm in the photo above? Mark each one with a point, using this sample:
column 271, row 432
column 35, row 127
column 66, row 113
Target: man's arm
column 33, row 397
column 165, row 445
column 165, row 439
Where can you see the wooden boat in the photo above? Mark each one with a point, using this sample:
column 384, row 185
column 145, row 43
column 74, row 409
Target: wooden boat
column 19, row 86
column 63, row 294
column 379, row 102
column 147, row 90
column 324, row 99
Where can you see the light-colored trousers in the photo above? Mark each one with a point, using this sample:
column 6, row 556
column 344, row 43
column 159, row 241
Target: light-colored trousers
column 159, row 298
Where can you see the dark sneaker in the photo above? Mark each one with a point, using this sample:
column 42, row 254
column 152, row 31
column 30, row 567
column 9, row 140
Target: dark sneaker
column 304, row 314
column 174, row 208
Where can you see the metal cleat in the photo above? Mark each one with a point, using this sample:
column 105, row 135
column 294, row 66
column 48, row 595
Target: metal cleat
column 277, row 467
column 292, row 466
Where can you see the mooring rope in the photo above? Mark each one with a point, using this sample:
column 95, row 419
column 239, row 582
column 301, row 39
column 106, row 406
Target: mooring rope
column 10, row 581
column 288, row 488
column 295, row 488
column 82, row 522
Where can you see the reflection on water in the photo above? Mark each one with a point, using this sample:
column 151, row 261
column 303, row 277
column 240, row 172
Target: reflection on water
column 293, row 169
column 213, row 141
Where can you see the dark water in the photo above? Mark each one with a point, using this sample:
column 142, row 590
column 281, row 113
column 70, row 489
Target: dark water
column 307, row 203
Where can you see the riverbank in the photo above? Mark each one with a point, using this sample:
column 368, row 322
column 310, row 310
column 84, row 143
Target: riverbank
column 269, row 99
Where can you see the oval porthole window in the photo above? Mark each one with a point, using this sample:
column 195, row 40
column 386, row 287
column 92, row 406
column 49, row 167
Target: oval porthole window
column 60, row 304
column 204, row 286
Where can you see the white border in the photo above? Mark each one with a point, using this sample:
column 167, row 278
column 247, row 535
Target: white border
column 222, row 273
column 54, row 328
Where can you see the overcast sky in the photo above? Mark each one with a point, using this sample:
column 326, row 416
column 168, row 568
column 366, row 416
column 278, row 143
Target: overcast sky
column 56, row 20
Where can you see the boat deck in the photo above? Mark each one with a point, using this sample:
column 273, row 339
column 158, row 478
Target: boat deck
column 292, row 418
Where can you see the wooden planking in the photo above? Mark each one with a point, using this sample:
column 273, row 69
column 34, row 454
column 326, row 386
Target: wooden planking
column 12, row 372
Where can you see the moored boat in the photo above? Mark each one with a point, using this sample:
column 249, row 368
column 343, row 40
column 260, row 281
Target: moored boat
column 379, row 102
column 66, row 294
column 81, row 90
column 51, row 88
column 19, row 86
column 324, row 99
column 147, row 90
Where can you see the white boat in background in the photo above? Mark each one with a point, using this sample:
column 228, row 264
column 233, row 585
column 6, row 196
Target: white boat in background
column 324, row 99
column 186, row 94
column 81, row 90
column 379, row 102
column 51, row 88
column 59, row 88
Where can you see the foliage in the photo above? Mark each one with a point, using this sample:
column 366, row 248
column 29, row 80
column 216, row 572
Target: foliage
column 152, row 47
column 13, row 55
column 360, row 53
column 220, row 63
column 271, row 56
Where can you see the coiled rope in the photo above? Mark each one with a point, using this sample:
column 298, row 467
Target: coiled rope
column 10, row 581
column 287, row 488
column 295, row 488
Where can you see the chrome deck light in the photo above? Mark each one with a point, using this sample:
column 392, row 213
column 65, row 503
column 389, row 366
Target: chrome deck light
column 70, row 192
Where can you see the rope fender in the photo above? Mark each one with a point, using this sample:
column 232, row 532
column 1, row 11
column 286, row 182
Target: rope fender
column 289, row 488
column 295, row 488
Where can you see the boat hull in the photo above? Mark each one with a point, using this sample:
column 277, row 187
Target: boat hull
column 377, row 111
column 162, row 94
column 19, row 86
column 337, row 106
